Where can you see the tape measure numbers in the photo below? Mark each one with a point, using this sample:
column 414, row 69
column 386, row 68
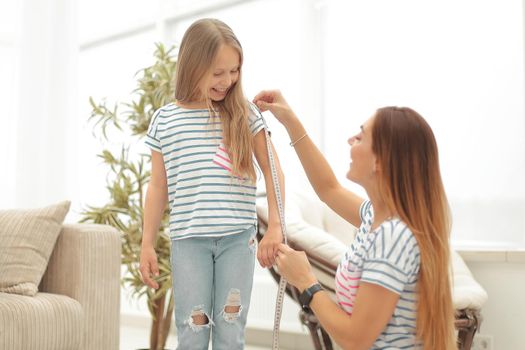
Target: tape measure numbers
column 282, row 281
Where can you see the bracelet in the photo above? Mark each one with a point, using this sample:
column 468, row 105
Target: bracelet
column 299, row 139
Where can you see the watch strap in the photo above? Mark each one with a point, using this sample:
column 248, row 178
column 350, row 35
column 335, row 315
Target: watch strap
column 306, row 296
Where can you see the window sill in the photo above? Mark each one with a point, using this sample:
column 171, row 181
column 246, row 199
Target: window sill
column 493, row 253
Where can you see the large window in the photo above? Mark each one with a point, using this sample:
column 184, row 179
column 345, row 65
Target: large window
column 459, row 64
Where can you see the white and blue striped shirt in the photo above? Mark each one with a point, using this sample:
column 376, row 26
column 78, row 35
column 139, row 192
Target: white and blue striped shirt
column 389, row 257
column 206, row 198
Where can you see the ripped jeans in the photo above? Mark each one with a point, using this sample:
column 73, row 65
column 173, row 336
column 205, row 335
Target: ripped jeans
column 212, row 286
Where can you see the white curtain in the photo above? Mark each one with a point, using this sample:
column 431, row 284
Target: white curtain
column 45, row 102
column 8, row 25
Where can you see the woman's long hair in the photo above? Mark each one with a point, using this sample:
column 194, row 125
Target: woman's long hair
column 197, row 52
column 410, row 183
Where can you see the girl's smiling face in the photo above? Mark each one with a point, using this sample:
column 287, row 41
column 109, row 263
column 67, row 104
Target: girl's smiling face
column 223, row 74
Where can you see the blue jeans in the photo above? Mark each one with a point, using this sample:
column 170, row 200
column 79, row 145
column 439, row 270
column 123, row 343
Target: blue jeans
column 210, row 273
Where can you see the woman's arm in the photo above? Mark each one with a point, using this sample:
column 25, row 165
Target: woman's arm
column 273, row 236
column 155, row 203
column 318, row 171
column 373, row 307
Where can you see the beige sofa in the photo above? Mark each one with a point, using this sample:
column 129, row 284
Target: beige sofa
column 324, row 236
column 78, row 301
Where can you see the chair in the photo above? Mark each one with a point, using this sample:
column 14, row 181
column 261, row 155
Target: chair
column 324, row 236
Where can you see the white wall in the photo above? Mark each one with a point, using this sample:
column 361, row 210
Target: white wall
column 504, row 312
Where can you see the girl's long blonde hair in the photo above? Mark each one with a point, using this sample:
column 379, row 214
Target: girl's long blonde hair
column 410, row 183
column 197, row 52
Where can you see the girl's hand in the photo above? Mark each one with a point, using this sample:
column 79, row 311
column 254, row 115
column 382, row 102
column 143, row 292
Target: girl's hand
column 267, row 250
column 294, row 266
column 273, row 101
column 149, row 267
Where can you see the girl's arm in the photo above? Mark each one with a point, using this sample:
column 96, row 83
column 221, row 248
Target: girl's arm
column 319, row 172
column 273, row 237
column 373, row 307
column 155, row 203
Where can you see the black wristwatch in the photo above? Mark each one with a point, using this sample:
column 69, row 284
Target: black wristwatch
column 306, row 296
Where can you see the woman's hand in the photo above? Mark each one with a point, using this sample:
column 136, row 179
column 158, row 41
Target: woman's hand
column 294, row 266
column 268, row 247
column 273, row 101
column 149, row 267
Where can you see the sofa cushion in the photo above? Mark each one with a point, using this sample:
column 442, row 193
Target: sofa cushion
column 28, row 238
column 44, row 322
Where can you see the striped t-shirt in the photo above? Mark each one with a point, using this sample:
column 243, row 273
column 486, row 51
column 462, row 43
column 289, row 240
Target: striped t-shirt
column 389, row 257
column 206, row 198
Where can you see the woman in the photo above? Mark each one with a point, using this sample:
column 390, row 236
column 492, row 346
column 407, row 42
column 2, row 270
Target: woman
column 392, row 285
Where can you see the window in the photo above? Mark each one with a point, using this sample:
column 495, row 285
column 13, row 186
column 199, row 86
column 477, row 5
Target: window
column 463, row 75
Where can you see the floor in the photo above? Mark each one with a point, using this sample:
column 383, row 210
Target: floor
column 132, row 338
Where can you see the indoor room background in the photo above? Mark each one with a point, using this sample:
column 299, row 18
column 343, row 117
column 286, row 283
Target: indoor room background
column 458, row 63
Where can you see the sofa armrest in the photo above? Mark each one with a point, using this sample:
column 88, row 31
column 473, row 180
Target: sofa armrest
column 85, row 265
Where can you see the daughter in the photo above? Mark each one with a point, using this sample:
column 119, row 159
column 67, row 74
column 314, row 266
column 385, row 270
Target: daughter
column 202, row 148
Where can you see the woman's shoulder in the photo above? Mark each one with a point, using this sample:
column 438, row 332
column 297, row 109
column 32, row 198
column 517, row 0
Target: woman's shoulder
column 394, row 237
column 395, row 229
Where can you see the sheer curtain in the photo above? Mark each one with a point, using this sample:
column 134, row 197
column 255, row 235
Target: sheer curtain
column 8, row 29
column 43, row 102
column 459, row 64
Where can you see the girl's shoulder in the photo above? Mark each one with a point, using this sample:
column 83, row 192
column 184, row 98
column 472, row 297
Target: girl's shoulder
column 168, row 107
column 173, row 110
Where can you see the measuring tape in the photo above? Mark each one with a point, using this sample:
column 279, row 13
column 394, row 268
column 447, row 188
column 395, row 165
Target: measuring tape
column 282, row 281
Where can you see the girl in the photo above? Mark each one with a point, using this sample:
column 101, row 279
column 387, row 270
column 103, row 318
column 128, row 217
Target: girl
column 202, row 148
column 393, row 288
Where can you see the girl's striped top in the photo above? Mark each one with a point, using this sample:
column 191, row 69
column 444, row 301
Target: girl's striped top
column 206, row 198
column 389, row 257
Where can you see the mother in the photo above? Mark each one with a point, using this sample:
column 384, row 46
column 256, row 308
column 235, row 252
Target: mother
column 393, row 287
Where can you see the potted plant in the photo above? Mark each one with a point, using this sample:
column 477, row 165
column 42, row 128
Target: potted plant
column 128, row 174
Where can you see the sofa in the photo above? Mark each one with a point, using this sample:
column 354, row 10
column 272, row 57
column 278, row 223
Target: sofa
column 77, row 304
column 314, row 228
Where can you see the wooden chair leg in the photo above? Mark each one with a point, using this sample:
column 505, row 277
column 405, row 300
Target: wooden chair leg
column 326, row 339
column 312, row 325
column 467, row 323
column 320, row 338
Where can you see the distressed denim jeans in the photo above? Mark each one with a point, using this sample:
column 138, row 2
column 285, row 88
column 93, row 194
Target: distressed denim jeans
column 212, row 284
